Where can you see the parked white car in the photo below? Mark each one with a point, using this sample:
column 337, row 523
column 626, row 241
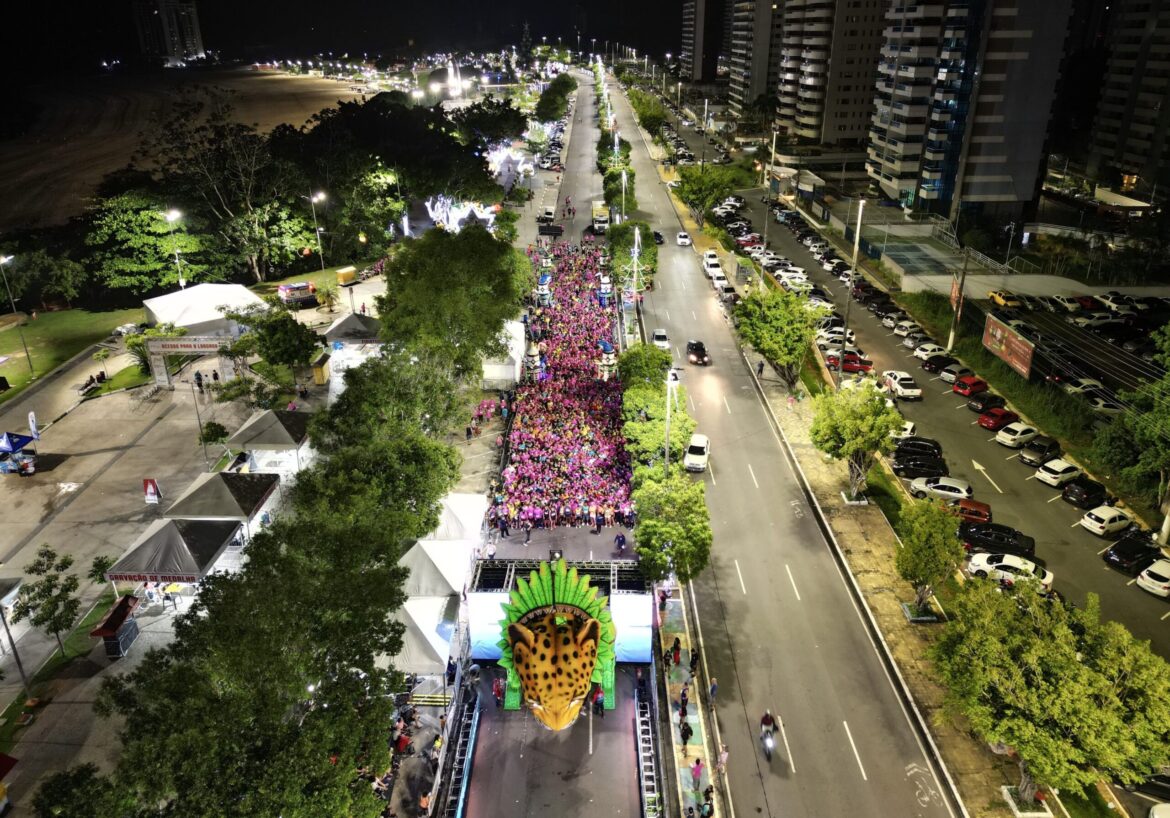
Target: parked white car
column 1156, row 579
column 1074, row 386
column 948, row 488
column 927, row 350
column 908, row 430
column 683, row 239
column 902, row 384
column 1008, row 569
column 710, row 255
column 904, row 328
column 1105, row 521
column 1067, row 302
column 712, row 267
column 1015, row 435
column 1057, row 472
column 833, row 335
column 698, row 453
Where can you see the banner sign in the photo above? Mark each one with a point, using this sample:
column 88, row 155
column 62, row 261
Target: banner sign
column 1008, row 345
column 150, row 489
column 32, row 426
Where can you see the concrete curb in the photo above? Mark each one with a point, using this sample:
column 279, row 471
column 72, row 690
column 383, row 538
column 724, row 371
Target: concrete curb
column 898, row 682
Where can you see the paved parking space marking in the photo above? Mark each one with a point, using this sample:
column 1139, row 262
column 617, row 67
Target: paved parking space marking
column 753, row 474
column 793, row 581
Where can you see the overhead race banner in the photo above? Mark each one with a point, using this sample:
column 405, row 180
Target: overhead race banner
column 1008, row 345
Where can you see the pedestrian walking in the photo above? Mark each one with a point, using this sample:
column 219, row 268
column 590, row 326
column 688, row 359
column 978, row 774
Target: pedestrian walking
column 694, row 663
column 791, row 402
column 214, row 376
column 527, row 525
column 685, row 731
column 760, row 369
column 676, row 651
column 708, row 809
column 469, row 432
column 491, row 550
column 498, row 691
column 199, row 381
column 697, row 773
column 684, row 695
column 502, row 521
column 599, row 702
column 662, row 600
column 712, row 691
column 682, row 712
column 666, row 654
column 363, row 308
column 721, row 764
column 619, row 541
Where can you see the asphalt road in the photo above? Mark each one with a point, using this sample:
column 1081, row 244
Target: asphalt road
column 780, row 628
column 1016, row 499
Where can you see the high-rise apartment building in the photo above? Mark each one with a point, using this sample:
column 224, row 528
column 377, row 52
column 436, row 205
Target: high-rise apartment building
column 702, row 37
column 827, row 68
column 1132, row 128
column 754, row 58
column 169, row 30
column 963, row 100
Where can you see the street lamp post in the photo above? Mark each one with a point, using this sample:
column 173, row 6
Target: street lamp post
column 671, row 392
column 199, row 420
column 173, row 216
column 623, row 196
column 849, row 301
column 313, row 198
column 768, row 188
column 19, row 329
column 12, row 642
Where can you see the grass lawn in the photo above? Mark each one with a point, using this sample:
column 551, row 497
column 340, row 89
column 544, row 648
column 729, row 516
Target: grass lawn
column 1088, row 804
column 77, row 644
column 317, row 277
column 883, row 491
column 53, row 338
column 124, row 379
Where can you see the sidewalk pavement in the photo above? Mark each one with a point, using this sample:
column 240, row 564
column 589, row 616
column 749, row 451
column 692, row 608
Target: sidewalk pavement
column 673, row 624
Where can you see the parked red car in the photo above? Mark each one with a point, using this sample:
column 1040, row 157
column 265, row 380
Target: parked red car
column 996, row 419
column 749, row 240
column 1087, row 302
column 968, row 385
column 853, row 362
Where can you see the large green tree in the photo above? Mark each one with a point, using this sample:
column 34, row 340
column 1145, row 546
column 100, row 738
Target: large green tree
column 644, row 413
column 50, row 602
column 450, row 294
column 1078, row 699
column 133, row 246
column 701, row 188
column 929, row 551
column 673, row 530
column 488, row 122
column 779, row 326
column 643, row 364
column 853, row 425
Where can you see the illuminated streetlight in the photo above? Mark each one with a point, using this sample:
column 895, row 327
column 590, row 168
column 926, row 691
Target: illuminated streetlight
column 173, row 216
column 12, row 301
column 313, row 198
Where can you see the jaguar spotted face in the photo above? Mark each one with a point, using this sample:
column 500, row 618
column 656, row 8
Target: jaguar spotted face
column 555, row 655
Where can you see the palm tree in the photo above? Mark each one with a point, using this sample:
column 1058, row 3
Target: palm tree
column 328, row 296
column 761, row 110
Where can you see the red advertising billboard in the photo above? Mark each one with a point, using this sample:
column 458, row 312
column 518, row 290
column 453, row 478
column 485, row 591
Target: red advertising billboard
column 1008, row 345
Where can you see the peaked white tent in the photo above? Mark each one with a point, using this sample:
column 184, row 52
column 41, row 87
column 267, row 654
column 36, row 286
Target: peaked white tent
column 504, row 372
column 430, row 625
column 461, row 518
column 437, row 568
column 198, row 309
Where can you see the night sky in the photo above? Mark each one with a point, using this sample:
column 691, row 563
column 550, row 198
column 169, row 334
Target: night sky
column 73, row 35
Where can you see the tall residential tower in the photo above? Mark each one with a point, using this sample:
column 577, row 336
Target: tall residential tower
column 168, row 30
column 963, row 101
column 702, row 37
column 755, row 51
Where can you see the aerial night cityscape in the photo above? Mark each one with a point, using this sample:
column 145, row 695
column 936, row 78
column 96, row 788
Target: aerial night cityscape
column 670, row 409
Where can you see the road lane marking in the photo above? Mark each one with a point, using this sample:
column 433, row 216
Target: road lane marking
column 711, row 471
column 694, row 316
column 1165, row 615
column 1058, row 497
column 1029, row 477
column 856, row 755
column 1012, row 456
column 793, row 581
column 787, row 748
column 991, row 440
column 740, row 575
column 667, row 314
column 1074, row 525
column 949, row 392
column 974, row 421
column 728, row 405
column 983, row 471
column 692, row 402
column 1103, row 550
column 753, row 474
column 961, row 405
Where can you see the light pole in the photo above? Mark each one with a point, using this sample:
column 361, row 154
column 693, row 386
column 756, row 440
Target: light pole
column 623, row 196
column 671, row 392
column 958, row 302
column 199, row 420
column 11, row 596
column 768, row 188
column 849, row 301
column 19, row 328
column 1011, row 235
column 313, row 198
column 173, row 216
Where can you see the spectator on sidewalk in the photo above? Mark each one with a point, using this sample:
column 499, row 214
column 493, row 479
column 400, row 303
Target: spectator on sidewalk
column 498, row 691
column 721, row 764
column 685, row 732
column 697, row 773
column 676, row 651
column 712, row 691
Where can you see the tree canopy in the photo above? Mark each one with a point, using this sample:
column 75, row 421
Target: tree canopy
column 853, row 425
column 673, row 529
column 701, row 188
column 779, row 326
column 929, row 550
column 450, row 294
column 1078, row 699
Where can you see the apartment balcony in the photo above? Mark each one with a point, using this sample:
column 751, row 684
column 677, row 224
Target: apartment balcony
column 810, row 106
column 806, row 131
column 807, row 120
column 916, row 72
column 808, row 81
column 917, row 11
column 940, row 116
column 815, row 54
column 932, row 171
column 945, row 96
column 818, row 41
column 931, row 193
column 909, row 110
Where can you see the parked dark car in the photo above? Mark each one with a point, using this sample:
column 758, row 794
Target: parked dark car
column 1157, row 785
column 1039, row 450
column 912, row 464
column 996, row 538
column 1132, row 553
column 936, row 363
column 882, row 309
column 1084, row 493
column 923, row 445
column 984, row 402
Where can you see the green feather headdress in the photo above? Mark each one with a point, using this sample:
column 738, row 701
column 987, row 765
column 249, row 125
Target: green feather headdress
column 558, row 586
